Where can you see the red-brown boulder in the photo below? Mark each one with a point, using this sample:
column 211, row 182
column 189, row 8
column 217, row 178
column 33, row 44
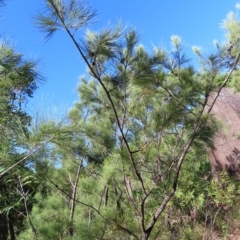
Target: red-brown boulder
column 226, row 152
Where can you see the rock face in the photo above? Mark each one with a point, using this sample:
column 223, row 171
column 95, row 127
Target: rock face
column 226, row 151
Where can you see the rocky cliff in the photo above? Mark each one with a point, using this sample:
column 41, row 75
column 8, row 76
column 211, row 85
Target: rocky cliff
column 226, row 151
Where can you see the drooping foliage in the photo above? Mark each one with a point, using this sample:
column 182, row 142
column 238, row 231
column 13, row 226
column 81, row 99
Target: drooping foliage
column 130, row 160
column 18, row 81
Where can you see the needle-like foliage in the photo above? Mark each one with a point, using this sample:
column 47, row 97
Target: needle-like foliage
column 60, row 14
column 141, row 115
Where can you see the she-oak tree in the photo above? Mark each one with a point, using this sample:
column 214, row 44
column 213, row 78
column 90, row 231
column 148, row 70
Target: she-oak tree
column 140, row 115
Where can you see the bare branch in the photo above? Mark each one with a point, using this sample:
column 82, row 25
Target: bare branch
column 30, row 153
column 24, row 195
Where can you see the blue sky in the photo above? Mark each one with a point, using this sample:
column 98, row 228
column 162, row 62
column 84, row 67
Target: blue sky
column 196, row 21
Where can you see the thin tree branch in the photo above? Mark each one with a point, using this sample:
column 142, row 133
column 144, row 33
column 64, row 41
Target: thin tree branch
column 224, row 83
column 184, row 153
column 74, row 193
column 24, row 195
column 93, row 208
column 30, row 153
column 137, row 173
column 66, row 194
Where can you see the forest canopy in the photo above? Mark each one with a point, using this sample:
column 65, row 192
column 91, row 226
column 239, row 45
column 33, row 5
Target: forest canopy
column 129, row 160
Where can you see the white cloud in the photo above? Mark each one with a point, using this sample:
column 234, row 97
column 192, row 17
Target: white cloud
column 237, row 5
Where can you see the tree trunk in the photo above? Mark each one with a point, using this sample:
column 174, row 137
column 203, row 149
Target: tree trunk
column 3, row 227
column 11, row 228
column 73, row 202
column 145, row 236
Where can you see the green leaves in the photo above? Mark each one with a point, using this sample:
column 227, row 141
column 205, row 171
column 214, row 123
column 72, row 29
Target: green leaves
column 61, row 14
column 103, row 45
column 231, row 25
column 18, row 81
column 139, row 122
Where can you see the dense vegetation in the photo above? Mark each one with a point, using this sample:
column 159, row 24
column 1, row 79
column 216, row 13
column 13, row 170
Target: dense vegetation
column 129, row 161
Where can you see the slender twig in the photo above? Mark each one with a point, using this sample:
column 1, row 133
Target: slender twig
column 93, row 208
column 33, row 150
column 197, row 128
column 24, row 195
column 213, row 222
column 66, row 194
column 74, row 193
column 137, row 173
column 175, row 98
column 30, row 153
column 224, row 83
column 127, row 190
